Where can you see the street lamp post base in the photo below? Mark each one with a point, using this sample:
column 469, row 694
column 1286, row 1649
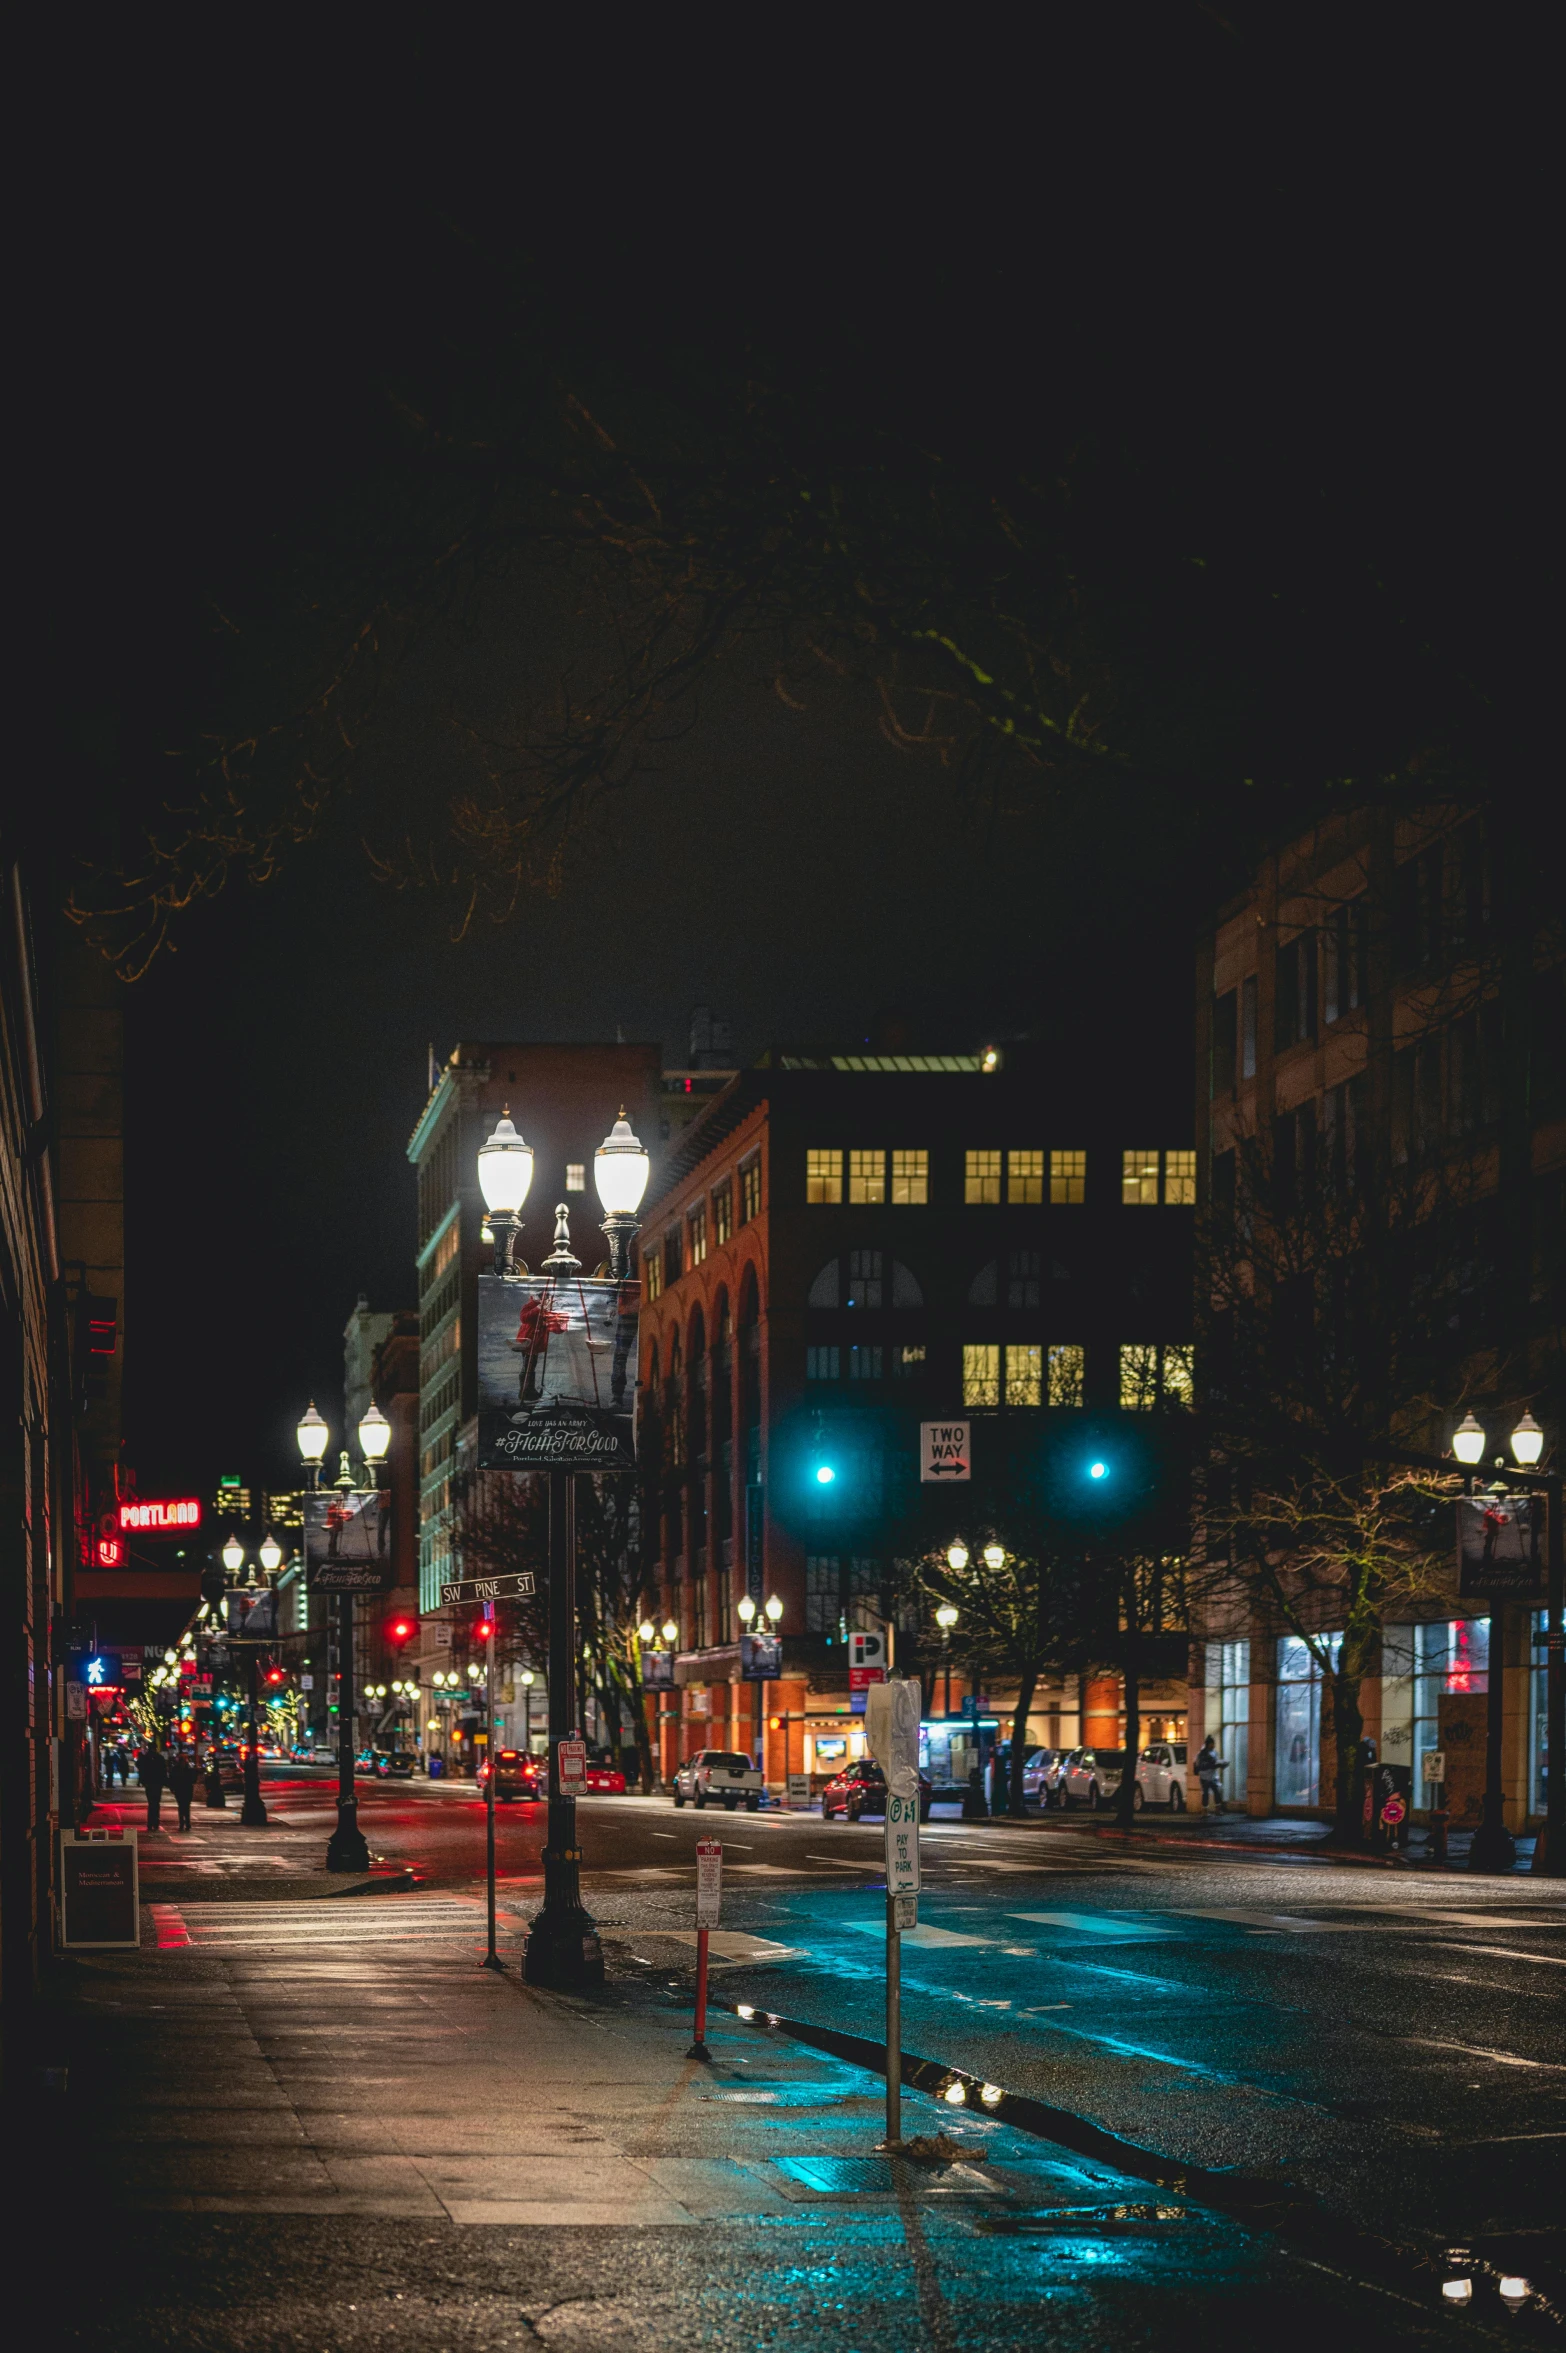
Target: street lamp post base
column 1494, row 1848
column 563, row 1951
column 346, row 1850
column 252, row 1813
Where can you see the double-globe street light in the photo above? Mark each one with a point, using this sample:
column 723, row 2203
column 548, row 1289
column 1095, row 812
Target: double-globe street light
column 1494, row 1848
column 346, row 1849
column 562, row 1946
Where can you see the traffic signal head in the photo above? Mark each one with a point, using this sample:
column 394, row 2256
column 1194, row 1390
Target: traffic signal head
column 825, row 1474
column 1098, row 1470
column 401, row 1630
column 483, row 1630
column 276, row 1675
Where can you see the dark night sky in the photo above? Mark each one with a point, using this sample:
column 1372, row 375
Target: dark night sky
column 1285, row 260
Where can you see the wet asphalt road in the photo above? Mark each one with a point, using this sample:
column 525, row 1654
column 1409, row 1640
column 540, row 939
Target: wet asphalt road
column 1389, row 2039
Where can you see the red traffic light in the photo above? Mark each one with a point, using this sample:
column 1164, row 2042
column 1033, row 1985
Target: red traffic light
column 483, row 1630
column 401, row 1630
column 276, row 1675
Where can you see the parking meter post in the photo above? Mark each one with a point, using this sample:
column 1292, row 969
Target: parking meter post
column 492, row 1958
column 894, row 2027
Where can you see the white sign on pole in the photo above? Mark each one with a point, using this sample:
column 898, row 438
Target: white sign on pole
column 709, row 1882
column 902, row 1845
column 866, row 1650
column 944, row 1454
column 573, row 1767
column 905, row 1912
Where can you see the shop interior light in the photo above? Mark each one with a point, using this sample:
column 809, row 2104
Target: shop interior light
column 1468, row 1440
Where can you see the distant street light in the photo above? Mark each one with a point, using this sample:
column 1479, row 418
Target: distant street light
column 312, row 1434
column 774, row 1608
column 957, row 1556
column 671, row 1632
column 271, row 1554
column 233, row 1556
column 1527, row 1442
column 946, row 1619
column 374, row 1435
column 995, row 1556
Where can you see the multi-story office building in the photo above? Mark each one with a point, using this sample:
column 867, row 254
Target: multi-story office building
column 564, row 1099
column 1381, row 1021
column 843, row 1248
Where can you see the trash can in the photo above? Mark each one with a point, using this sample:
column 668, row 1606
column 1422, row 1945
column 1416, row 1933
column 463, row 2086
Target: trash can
column 436, row 1768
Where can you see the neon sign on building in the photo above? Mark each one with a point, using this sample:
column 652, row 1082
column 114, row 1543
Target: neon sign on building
column 162, row 1519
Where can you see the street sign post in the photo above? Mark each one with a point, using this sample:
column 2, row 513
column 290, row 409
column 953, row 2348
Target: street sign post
column 513, row 1585
column 944, row 1453
column 572, row 1757
column 709, row 1906
column 892, row 1726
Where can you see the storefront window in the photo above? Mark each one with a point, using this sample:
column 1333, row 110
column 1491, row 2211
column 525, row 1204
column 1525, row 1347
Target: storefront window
column 1297, row 1732
column 1229, row 1713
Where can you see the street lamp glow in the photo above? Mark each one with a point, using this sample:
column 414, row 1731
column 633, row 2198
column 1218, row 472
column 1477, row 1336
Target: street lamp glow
column 825, row 1474
column 233, row 1556
column 312, row 1434
column 271, row 1554
column 1514, row 2292
column 670, row 1630
column 957, row 1557
column 1457, row 2291
column 1527, row 1441
column 774, row 1608
column 374, row 1435
column 995, row 1556
column 620, row 1169
column 1468, row 1440
column 439, row 1679
column 1098, row 1470
column 747, row 1608
column 946, row 1617
column 648, row 1632
column 505, row 1168
column 527, row 1678
column 955, row 2095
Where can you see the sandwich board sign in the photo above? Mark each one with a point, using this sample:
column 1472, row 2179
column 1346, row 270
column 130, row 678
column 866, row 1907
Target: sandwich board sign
column 945, row 1455
column 98, row 1889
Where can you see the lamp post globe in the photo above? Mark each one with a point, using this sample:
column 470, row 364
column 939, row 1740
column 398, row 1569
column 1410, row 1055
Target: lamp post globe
column 505, row 1174
column 995, row 1556
column 957, row 1557
column 946, row 1619
column 312, row 1434
column 747, row 1608
column 774, row 1608
column 271, row 1553
column 233, row 1556
column 671, row 1632
column 620, row 1171
column 374, row 1436
column 1468, row 1440
column 1527, row 1442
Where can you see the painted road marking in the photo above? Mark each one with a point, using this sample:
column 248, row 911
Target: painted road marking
column 926, row 1935
column 1093, row 1923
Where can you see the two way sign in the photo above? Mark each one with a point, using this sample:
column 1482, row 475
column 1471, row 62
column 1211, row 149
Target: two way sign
column 944, row 1454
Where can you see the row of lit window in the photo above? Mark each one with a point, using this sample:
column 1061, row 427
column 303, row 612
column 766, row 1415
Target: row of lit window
column 707, row 1224
column 1027, row 1372
column 1147, row 1178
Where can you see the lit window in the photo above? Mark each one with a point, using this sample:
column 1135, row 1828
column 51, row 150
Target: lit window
column 576, row 1176
column 698, row 1226
column 1138, row 1377
column 867, row 1176
column 822, row 1364
column 1179, row 1376
column 908, row 1360
column 864, row 1363
column 910, row 1179
column 1065, row 1374
column 652, row 1276
column 823, row 1176
column 750, row 1190
column 980, row 1373
column 982, row 1177
column 1180, row 1180
column 1139, row 1179
column 1024, row 1176
column 722, row 1213
column 1024, row 1373
column 1067, row 1177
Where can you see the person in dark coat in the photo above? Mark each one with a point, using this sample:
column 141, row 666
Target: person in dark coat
column 153, row 1774
column 182, row 1785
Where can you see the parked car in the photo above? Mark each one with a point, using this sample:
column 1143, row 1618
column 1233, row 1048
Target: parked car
column 392, row 1764
column 718, row 1776
column 321, row 1754
column 516, row 1775
column 1092, row 1776
column 607, row 1780
column 1041, row 1771
column 231, row 1772
column 861, row 1789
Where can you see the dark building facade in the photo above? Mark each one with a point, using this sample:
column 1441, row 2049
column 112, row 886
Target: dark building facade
column 843, row 1249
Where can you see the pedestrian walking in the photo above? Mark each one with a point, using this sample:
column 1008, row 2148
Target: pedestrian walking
column 153, row 1774
column 182, row 1785
column 1210, row 1769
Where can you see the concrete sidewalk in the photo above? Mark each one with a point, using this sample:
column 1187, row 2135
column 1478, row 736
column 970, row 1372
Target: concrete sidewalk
column 325, row 2126
column 219, row 1857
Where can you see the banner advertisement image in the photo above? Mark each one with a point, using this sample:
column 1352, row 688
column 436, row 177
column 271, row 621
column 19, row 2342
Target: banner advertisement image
column 1498, row 1546
column 557, row 1373
column 347, row 1535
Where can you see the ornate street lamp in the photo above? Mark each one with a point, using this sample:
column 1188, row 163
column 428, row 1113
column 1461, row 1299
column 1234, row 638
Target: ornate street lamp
column 312, row 1434
column 505, row 1172
column 946, row 1619
column 271, row 1554
column 620, row 1171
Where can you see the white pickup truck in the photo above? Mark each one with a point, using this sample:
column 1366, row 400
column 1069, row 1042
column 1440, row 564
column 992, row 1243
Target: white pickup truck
column 718, row 1777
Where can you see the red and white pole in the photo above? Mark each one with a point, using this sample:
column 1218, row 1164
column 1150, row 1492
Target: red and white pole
column 709, row 1897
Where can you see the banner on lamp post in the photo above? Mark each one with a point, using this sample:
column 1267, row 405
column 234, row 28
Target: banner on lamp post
column 347, row 1547
column 556, row 1373
column 1498, row 1547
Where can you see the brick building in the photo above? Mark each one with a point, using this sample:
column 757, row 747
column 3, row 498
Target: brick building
column 841, row 1248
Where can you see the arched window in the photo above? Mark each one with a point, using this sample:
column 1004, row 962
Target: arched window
column 859, row 1280
column 983, row 1291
